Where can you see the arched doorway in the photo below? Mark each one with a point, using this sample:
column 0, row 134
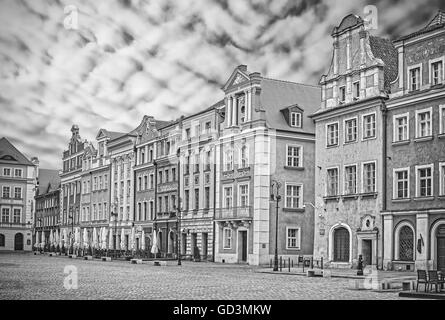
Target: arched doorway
column 341, row 245
column 406, row 244
column 18, row 242
column 441, row 248
column 171, row 242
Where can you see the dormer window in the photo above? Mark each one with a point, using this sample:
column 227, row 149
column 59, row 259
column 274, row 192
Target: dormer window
column 356, row 90
column 342, row 94
column 436, row 73
column 295, row 119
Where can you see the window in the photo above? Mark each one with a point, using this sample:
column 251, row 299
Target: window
column 332, row 183
column 442, row 119
column 293, row 238
column 151, row 210
column 2, row 240
column 187, row 133
column 356, row 90
column 208, row 126
column 173, row 202
column 166, row 203
column 207, row 197
column 197, row 162
column 332, row 134
column 406, row 244
column 401, row 127
column 350, row 130
column 6, row 193
column 227, row 234
column 424, row 181
column 341, row 245
column 145, row 182
column 187, row 199
column 173, row 174
column 423, row 123
column 17, row 193
column 342, row 94
column 369, row 126
column 436, row 73
column 128, row 188
column 228, row 159
column 7, row 172
column 139, row 183
column 208, row 160
column 160, row 177
column 228, row 197
column 196, row 199
column 350, row 179
column 187, row 165
column 414, row 79
column 151, row 181
column 167, row 178
column 294, row 156
column 17, row 215
column 369, row 177
column 95, row 184
column 293, row 196
column 18, row 173
column 244, row 157
column 401, row 183
column 5, row 215
column 243, row 195
column 105, row 215
column 100, row 211
column 295, row 119
column 159, row 204
column 442, row 178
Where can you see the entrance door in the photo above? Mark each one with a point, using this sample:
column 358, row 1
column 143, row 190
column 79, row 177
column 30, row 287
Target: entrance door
column 194, row 247
column 204, row 245
column 367, row 252
column 441, row 249
column 242, row 246
column 18, row 242
column 184, row 243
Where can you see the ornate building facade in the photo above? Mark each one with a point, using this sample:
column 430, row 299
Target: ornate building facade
column 18, row 178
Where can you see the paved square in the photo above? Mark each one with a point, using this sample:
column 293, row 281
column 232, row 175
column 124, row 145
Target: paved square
column 25, row 276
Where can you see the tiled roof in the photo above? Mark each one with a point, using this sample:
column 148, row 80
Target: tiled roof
column 114, row 135
column 49, row 181
column 438, row 22
column 385, row 50
column 277, row 94
column 8, row 149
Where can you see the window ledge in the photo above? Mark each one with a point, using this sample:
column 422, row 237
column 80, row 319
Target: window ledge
column 441, row 136
column 369, row 138
column 228, row 172
column 369, row 195
column 401, row 142
column 294, row 168
column 293, row 209
column 350, row 142
column 350, row 196
column 422, row 139
column 423, row 198
column 331, row 146
column 401, row 200
column 331, row 198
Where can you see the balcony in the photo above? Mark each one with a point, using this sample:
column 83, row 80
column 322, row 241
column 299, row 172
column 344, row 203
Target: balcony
column 234, row 213
column 14, row 225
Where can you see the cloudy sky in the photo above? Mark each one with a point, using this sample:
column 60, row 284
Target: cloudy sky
column 162, row 58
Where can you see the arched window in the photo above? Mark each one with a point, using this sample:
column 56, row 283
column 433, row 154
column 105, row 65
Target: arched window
column 341, row 245
column 2, row 240
column 406, row 244
column 244, row 157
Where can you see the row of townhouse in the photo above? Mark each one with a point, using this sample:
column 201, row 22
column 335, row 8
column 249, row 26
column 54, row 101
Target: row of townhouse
column 360, row 173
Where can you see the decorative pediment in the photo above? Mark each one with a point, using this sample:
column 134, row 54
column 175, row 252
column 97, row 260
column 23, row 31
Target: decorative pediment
column 8, row 157
column 101, row 134
column 367, row 223
column 238, row 77
column 350, row 21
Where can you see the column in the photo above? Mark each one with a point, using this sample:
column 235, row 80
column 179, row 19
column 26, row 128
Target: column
column 335, row 58
column 401, row 71
column 388, row 225
column 249, row 104
column 234, row 111
column 229, row 111
column 422, row 233
column 348, row 51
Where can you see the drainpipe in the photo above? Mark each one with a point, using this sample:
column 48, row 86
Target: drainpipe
column 384, row 172
column 217, row 118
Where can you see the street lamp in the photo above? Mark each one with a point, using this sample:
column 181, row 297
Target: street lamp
column 114, row 215
column 40, row 224
column 71, row 217
column 178, row 215
column 275, row 196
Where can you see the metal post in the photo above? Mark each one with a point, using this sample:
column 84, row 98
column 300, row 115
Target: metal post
column 178, row 218
column 288, row 263
column 276, row 197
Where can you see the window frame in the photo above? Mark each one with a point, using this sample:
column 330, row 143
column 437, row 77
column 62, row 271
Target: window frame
column 245, row 184
column 364, row 129
column 246, row 158
column 225, row 238
column 409, row 69
column 363, row 176
column 21, row 172
column 341, row 92
column 9, row 192
column 21, row 193
column 299, row 157
column 430, row 71
column 441, row 119
column 297, row 238
column 441, row 178
column 420, row 167
column 345, row 130
column 300, row 196
column 395, row 131
column 328, row 184
column 225, row 196
column 395, row 183
column 328, row 134
column 418, row 112
column 10, row 172
column 298, row 119
column 345, row 180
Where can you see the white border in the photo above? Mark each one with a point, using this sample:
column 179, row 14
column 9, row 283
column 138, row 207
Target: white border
column 224, row 195
column 394, row 131
column 417, row 168
column 363, row 126
column 301, row 198
column 399, row 226
column 394, row 183
column 327, row 134
column 299, row 124
column 300, row 158
column 430, row 110
column 441, row 118
column 430, row 68
column 224, row 238
column 298, row 247
column 363, row 178
column 338, row 181
column 441, row 178
column 408, row 71
column 356, row 178
column 357, row 125
column 239, row 194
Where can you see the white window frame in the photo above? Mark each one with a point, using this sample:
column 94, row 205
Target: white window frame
column 430, row 69
column 241, row 156
column 227, row 238
column 13, row 214
column 363, row 175
column 357, row 125
column 356, row 178
column 363, row 126
column 328, row 135
column 340, row 94
column 441, row 178
column 224, row 196
column 395, row 132
column 21, row 193
column 10, row 194
column 353, row 90
column 394, row 183
column 300, row 155
column 415, row 66
column 300, row 197
column 338, row 181
column 430, row 111
column 246, row 195
column 441, row 119
column 21, row 172
column 298, row 119
column 227, row 161
column 10, row 172
column 417, row 168
column 297, row 238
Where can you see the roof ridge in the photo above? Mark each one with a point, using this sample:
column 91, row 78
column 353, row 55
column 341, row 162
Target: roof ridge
column 293, row 82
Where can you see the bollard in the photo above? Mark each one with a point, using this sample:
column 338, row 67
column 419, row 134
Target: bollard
column 312, row 262
column 292, row 263
column 321, row 263
column 284, row 262
column 281, row 263
column 288, row 263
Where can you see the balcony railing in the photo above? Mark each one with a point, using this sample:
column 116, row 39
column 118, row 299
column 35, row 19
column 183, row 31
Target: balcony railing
column 234, row 213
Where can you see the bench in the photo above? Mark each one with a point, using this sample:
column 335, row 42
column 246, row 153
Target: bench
column 136, row 261
column 88, row 258
column 106, row 258
column 72, row 256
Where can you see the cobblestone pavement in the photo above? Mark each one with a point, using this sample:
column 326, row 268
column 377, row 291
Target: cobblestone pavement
column 25, row 276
